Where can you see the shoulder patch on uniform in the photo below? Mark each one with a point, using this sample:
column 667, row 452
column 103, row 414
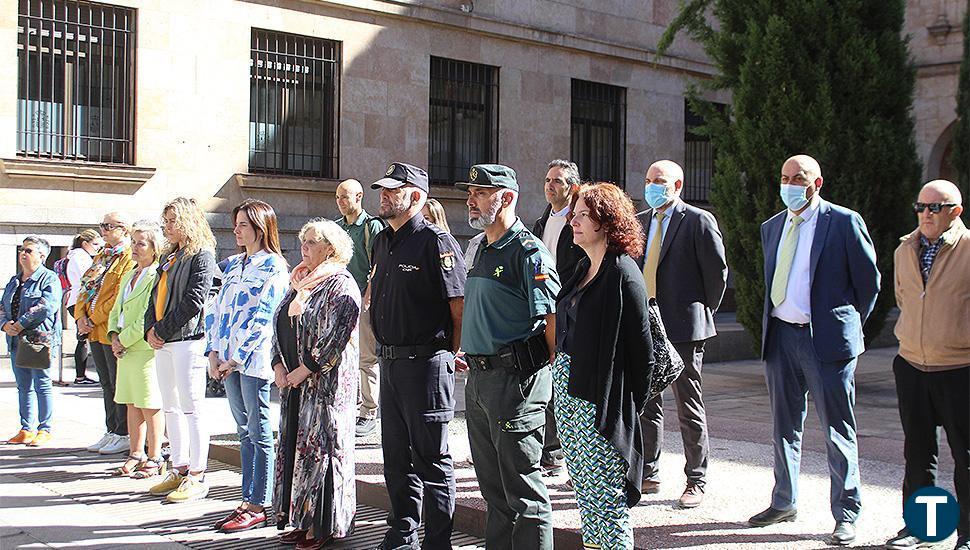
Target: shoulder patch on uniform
column 447, row 261
column 537, row 272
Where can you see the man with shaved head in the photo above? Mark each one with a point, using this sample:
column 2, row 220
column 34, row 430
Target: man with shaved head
column 362, row 228
column 685, row 270
column 932, row 370
column 821, row 284
column 97, row 294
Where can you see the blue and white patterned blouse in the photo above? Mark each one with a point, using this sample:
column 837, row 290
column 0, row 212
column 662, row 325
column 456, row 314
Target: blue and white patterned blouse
column 239, row 325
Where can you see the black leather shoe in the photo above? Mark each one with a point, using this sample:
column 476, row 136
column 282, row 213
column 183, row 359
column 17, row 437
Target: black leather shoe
column 771, row 517
column 844, row 534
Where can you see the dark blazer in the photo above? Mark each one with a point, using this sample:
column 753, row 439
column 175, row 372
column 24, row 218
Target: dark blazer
column 845, row 280
column 568, row 253
column 692, row 273
column 612, row 356
column 189, row 283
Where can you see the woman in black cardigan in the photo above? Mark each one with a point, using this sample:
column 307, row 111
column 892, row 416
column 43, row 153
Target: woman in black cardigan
column 603, row 364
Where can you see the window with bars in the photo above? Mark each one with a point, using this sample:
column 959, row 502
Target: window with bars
column 75, row 81
column 599, row 131
column 464, row 118
column 698, row 157
column 294, row 88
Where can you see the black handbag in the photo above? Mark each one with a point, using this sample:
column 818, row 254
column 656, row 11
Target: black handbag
column 667, row 362
column 31, row 355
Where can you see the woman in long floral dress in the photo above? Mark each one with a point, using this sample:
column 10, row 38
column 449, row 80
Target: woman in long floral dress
column 316, row 368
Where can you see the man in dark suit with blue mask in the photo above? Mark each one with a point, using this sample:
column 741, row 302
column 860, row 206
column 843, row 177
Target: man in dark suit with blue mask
column 821, row 284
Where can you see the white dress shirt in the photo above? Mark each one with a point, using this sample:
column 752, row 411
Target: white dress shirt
column 553, row 229
column 797, row 307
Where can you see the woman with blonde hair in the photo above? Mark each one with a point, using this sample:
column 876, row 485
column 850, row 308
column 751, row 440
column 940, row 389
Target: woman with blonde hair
column 176, row 331
column 137, row 384
column 316, row 366
column 435, row 213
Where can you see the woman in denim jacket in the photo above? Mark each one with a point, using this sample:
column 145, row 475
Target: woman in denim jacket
column 30, row 309
column 239, row 333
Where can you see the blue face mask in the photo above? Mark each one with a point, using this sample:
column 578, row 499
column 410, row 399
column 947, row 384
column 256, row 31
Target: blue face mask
column 794, row 196
column 656, row 195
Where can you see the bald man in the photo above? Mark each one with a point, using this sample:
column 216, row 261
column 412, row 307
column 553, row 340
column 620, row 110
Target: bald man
column 932, row 370
column 362, row 228
column 821, row 284
column 684, row 268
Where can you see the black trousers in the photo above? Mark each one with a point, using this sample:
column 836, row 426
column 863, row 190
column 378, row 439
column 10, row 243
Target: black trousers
column 80, row 352
column 417, row 401
column 115, row 415
column 927, row 401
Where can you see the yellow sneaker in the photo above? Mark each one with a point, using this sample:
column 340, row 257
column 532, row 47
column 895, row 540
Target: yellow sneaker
column 169, row 484
column 41, row 438
column 23, row 436
column 191, row 488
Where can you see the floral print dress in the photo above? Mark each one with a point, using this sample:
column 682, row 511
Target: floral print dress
column 315, row 486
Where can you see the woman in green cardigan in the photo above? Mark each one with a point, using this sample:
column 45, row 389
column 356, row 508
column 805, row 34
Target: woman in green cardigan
column 137, row 385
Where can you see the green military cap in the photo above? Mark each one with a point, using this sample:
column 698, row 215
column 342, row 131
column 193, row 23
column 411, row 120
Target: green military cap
column 490, row 175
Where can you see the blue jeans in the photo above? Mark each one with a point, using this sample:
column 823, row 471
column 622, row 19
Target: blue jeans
column 34, row 394
column 792, row 371
column 249, row 401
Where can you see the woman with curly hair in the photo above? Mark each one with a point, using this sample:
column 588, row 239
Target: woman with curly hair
column 604, row 359
column 175, row 329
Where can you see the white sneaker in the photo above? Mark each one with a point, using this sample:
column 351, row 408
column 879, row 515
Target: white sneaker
column 117, row 445
column 95, row 447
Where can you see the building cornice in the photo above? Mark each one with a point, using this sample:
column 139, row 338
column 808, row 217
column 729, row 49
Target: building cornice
column 507, row 30
column 119, row 174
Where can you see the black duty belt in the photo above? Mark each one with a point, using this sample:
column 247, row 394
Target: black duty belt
column 409, row 352
column 523, row 357
column 796, row 325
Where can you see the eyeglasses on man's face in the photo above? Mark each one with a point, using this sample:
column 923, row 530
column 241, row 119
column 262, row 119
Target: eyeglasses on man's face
column 109, row 226
column 934, row 207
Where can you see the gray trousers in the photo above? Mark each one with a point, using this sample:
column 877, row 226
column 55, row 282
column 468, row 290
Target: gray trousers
column 690, row 411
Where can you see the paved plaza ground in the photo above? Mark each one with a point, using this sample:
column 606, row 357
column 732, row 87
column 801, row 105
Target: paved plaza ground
column 61, row 496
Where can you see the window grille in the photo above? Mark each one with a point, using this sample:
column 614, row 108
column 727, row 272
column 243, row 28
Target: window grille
column 463, row 118
column 75, row 81
column 599, row 131
column 698, row 158
column 294, row 88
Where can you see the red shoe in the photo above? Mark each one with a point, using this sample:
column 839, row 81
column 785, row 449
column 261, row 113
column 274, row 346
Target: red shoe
column 244, row 521
column 232, row 515
column 293, row 537
column 314, row 544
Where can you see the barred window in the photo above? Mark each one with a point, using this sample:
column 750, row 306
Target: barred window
column 293, row 105
column 599, row 131
column 464, row 118
column 698, row 157
column 75, row 81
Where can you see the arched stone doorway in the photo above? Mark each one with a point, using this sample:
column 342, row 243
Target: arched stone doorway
column 939, row 165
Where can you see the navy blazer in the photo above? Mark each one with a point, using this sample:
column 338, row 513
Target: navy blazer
column 844, row 280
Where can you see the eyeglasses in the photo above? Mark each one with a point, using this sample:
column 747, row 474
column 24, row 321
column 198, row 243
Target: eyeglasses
column 109, row 226
column 29, row 251
column 934, row 207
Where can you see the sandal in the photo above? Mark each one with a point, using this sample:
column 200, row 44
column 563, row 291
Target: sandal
column 149, row 468
column 127, row 468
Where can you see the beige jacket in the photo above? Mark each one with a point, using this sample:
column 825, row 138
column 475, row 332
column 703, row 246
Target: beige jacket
column 934, row 321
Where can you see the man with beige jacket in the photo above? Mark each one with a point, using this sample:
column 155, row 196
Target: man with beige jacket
column 932, row 370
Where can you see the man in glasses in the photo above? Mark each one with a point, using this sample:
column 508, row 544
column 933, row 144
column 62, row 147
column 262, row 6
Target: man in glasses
column 821, row 283
column 932, row 370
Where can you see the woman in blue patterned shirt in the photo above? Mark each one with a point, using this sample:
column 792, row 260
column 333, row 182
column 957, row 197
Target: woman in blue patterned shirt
column 239, row 335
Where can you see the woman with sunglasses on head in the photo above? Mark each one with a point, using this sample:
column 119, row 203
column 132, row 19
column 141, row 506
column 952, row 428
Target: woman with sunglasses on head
column 239, row 335
column 96, row 296
column 174, row 327
column 87, row 244
column 604, row 359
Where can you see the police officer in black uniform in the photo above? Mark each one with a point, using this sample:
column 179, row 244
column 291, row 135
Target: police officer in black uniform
column 417, row 291
column 508, row 337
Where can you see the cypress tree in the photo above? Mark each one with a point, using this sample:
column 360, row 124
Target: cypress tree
column 833, row 80
column 961, row 139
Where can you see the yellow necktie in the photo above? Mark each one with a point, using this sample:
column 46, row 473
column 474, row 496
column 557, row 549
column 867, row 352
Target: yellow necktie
column 779, row 283
column 653, row 257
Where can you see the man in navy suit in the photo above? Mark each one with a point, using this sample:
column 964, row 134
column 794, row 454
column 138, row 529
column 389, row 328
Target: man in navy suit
column 821, row 283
